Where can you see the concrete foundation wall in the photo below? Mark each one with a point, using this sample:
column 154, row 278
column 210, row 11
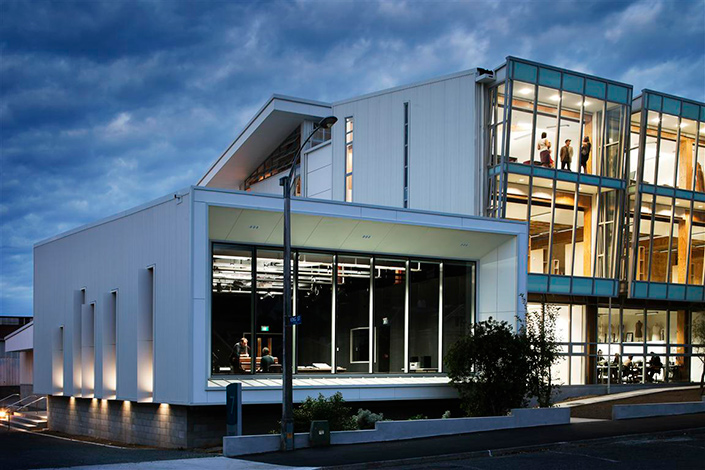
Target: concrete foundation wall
column 150, row 424
column 409, row 429
column 657, row 409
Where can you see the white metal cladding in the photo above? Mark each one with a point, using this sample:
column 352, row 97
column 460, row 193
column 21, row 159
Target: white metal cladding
column 104, row 257
column 109, row 259
column 263, row 391
column 443, row 165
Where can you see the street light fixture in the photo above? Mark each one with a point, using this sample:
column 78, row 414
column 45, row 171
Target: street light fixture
column 287, row 431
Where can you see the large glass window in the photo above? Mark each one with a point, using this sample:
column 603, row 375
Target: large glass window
column 458, row 307
column 389, row 315
column 591, row 113
column 314, row 297
column 352, row 319
column 269, row 306
column 359, row 314
column 424, row 282
column 231, row 304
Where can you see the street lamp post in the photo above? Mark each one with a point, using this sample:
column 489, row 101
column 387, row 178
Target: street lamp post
column 287, row 431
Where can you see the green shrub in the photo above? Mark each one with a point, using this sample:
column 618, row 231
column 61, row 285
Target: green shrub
column 446, row 415
column 419, row 416
column 489, row 368
column 332, row 409
column 365, row 419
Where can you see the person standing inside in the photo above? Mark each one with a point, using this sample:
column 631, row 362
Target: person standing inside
column 585, row 153
column 566, row 155
column 240, row 349
column 544, row 148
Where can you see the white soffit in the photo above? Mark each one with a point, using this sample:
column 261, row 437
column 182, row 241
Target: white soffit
column 274, row 122
column 335, row 233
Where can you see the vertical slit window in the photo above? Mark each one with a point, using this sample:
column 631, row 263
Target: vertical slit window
column 109, row 348
column 348, row 159
column 88, row 350
column 406, row 154
column 145, row 329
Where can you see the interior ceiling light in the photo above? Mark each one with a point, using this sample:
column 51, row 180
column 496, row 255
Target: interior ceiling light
column 586, row 103
column 525, row 91
column 684, row 124
column 555, row 98
column 655, row 120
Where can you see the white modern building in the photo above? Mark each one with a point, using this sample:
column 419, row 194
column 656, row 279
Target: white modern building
column 423, row 210
column 136, row 315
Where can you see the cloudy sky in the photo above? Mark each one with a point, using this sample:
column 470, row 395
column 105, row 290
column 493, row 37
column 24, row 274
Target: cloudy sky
column 106, row 105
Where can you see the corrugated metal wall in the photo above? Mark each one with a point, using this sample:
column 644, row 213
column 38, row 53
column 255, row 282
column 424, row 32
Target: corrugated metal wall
column 443, row 164
column 108, row 257
column 9, row 368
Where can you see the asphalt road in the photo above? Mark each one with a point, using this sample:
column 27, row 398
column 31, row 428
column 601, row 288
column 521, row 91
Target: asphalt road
column 22, row 450
column 683, row 451
column 441, row 447
column 669, row 445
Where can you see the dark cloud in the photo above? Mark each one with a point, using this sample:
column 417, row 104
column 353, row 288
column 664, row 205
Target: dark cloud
column 106, row 105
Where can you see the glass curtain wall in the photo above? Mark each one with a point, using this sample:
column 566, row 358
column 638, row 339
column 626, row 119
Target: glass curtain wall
column 669, row 246
column 643, row 345
column 550, row 175
column 573, row 228
column 571, row 369
column 359, row 314
column 552, row 109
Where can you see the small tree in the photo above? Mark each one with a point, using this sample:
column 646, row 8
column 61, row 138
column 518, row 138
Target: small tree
column 698, row 341
column 488, row 367
column 539, row 329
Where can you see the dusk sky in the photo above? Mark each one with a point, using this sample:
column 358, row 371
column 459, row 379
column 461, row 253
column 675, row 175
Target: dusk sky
column 108, row 105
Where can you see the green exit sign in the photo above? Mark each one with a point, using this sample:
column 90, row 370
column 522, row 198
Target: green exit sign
column 264, row 328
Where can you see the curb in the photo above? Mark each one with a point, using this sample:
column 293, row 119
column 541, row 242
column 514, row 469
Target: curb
column 499, row 452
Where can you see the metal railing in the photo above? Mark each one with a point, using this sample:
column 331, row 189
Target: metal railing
column 8, row 397
column 18, row 405
column 31, row 403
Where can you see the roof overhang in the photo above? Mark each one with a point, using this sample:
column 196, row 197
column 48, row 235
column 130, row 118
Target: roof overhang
column 327, row 225
column 21, row 339
column 272, row 123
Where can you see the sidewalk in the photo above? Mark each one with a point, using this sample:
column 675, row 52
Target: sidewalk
column 206, row 463
column 437, row 448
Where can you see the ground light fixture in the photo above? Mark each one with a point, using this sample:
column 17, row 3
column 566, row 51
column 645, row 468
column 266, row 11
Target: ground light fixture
column 287, row 429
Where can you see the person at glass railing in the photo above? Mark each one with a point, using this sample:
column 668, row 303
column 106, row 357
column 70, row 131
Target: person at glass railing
column 544, row 148
column 566, row 155
column 585, row 153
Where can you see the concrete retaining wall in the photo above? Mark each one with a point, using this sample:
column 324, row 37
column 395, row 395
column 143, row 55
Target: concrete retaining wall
column 399, row 430
column 148, row 424
column 657, row 409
